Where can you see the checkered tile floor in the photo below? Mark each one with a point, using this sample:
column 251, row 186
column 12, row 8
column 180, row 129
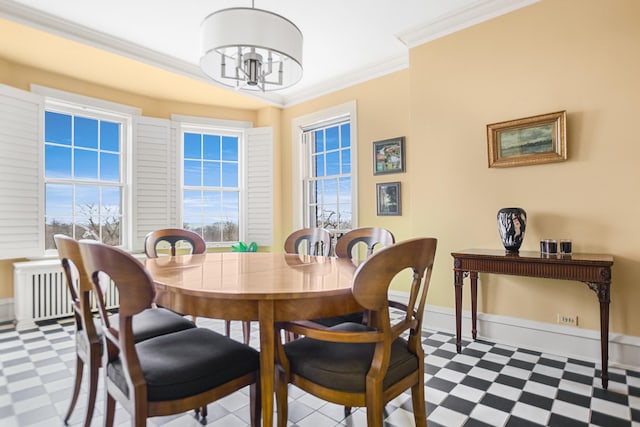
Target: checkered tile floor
column 486, row 385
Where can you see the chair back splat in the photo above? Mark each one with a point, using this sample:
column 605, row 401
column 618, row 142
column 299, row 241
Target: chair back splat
column 316, row 240
column 348, row 246
column 370, row 237
column 366, row 365
column 165, row 374
column 172, row 236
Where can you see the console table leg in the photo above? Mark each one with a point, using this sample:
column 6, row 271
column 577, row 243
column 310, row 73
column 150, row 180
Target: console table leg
column 603, row 291
column 474, row 303
column 458, row 275
column 604, row 342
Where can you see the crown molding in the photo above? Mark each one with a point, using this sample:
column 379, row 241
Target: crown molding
column 39, row 20
column 480, row 11
column 475, row 13
column 362, row 74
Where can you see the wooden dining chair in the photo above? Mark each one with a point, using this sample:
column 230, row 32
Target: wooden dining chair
column 358, row 365
column 149, row 323
column 349, row 246
column 166, row 374
column 312, row 241
column 176, row 239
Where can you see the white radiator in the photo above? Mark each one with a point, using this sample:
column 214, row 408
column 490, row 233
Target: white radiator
column 40, row 292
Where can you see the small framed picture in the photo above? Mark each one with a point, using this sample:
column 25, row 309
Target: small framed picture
column 388, row 156
column 528, row 141
column 388, row 198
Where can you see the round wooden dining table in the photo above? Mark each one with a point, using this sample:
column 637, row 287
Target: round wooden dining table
column 260, row 286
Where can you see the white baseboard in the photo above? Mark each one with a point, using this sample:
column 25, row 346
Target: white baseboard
column 582, row 344
column 6, row 310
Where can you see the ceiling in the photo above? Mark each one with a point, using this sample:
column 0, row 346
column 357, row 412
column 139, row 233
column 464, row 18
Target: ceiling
column 113, row 43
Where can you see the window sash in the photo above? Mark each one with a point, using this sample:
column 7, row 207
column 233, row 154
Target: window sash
column 98, row 218
column 314, row 190
column 202, row 220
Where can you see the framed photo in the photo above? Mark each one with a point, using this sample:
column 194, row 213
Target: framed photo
column 528, row 141
column 388, row 156
column 388, row 198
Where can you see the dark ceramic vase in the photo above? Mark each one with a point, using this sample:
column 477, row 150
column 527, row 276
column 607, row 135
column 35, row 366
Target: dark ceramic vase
column 512, row 223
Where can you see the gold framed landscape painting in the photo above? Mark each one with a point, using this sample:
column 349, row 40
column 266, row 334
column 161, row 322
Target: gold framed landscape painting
column 528, row 141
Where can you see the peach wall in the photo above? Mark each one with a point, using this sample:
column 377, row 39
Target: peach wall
column 574, row 55
column 581, row 56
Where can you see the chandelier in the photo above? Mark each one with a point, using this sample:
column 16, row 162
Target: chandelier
column 251, row 49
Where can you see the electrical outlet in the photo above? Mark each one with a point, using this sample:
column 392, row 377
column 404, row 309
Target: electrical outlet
column 564, row 319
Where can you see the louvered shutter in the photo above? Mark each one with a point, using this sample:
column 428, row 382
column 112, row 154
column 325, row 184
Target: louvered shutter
column 153, row 166
column 259, row 176
column 21, row 169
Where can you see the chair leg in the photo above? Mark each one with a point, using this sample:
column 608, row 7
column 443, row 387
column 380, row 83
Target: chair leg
column 201, row 414
column 94, row 370
column 374, row 416
column 347, row 411
column 246, row 331
column 282, row 396
column 109, row 409
column 76, row 388
column 139, row 414
column 419, row 409
column 375, row 408
column 256, row 404
column 227, row 327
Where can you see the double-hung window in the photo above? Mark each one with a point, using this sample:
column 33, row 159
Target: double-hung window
column 84, row 176
column 328, row 202
column 212, row 184
column 324, row 167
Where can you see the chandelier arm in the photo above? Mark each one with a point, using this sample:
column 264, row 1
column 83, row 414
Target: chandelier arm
column 246, row 36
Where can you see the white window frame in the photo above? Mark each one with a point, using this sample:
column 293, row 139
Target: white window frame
column 300, row 162
column 189, row 124
column 65, row 102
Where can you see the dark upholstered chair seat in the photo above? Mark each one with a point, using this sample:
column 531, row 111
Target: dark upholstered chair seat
column 147, row 324
column 186, row 363
column 344, row 366
column 357, row 317
column 152, row 322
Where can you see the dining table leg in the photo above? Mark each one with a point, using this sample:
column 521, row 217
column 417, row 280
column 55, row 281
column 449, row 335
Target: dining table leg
column 267, row 359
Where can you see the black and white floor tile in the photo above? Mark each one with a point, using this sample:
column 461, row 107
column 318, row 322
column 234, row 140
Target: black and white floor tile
column 486, row 385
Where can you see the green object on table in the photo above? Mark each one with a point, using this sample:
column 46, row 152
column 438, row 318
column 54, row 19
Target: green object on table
column 242, row 247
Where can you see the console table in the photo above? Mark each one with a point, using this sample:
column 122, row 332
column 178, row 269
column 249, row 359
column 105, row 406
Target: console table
column 592, row 269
